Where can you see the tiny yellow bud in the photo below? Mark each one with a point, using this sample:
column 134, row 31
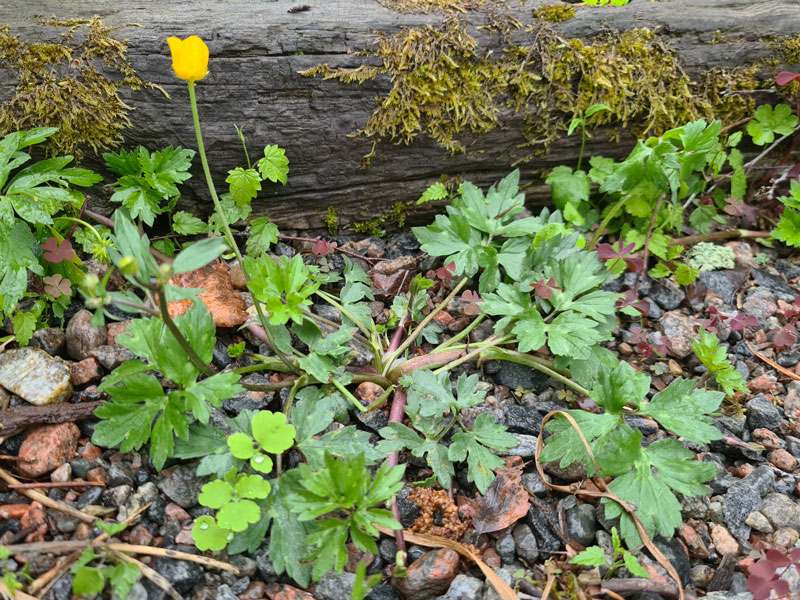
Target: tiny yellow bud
column 129, row 265
column 94, row 302
column 90, row 281
column 165, row 271
column 189, row 57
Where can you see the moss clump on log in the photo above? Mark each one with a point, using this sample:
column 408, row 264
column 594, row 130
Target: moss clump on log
column 61, row 85
column 443, row 86
column 555, row 13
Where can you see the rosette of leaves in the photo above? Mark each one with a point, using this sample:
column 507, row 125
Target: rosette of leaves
column 283, row 285
column 233, row 497
column 715, row 359
column 482, row 233
column 148, row 182
column 434, row 410
column 346, row 494
column 648, row 477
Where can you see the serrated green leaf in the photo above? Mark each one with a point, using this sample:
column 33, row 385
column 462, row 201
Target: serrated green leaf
column 593, row 556
column 186, row 223
column 274, row 165
column 683, row 410
column 633, row 566
column 88, row 581
column 244, row 185
column 263, row 233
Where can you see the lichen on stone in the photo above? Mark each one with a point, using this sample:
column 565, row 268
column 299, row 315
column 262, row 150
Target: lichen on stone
column 66, row 85
column 705, row 256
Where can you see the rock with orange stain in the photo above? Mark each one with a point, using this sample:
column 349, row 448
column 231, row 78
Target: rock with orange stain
column 91, row 452
column 430, row 575
column 695, row 545
column 35, row 520
column 13, row 511
column 226, row 305
column 281, row 591
column 369, row 392
column 46, row 448
column 85, row 371
column 116, row 329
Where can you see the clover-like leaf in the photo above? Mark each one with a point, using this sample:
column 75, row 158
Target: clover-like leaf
column 208, row 535
column 252, row 486
column 241, row 445
column 215, row 493
column 272, row 432
column 261, row 462
column 237, row 515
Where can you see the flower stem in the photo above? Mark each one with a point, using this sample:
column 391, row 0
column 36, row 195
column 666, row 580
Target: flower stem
column 201, row 150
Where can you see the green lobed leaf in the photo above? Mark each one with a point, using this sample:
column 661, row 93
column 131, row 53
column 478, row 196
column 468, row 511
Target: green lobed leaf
column 199, row 254
column 272, row 432
column 274, row 165
column 263, row 234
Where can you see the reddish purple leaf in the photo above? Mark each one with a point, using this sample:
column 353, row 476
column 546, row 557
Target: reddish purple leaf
column 544, row 289
column 323, row 248
column 740, row 321
column 56, row 252
column 785, row 77
column 663, row 345
column 629, row 298
column 738, row 208
column 777, row 559
column 638, row 336
column 445, row 273
column 620, row 252
column 787, row 337
column 471, row 299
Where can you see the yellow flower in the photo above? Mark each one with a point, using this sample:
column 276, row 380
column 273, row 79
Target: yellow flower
column 189, row 57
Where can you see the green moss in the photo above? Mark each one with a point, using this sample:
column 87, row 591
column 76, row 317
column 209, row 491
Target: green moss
column 60, row 85
column 788, row 49
column 331, row 221
column 395, row 216
column 555, row 13
column 443, row 87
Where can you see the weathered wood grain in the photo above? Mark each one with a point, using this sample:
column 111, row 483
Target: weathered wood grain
column 257, row 48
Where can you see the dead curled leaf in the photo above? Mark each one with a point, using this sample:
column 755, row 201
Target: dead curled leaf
column 505, row 502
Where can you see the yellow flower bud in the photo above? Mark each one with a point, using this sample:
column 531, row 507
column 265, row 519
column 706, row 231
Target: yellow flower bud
column 90, row 281
column 165, row 271
column 189, row 57
column 129, row 265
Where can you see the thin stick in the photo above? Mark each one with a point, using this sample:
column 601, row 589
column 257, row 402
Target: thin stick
column 46, row 500
column 55, row 484
column 45, row 581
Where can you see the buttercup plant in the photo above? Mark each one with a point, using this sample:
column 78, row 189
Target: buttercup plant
column 297, row 473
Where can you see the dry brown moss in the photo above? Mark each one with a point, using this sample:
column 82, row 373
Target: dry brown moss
column 67, row 85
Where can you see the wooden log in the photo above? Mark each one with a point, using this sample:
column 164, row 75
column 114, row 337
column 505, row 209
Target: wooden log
column 258, row 48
